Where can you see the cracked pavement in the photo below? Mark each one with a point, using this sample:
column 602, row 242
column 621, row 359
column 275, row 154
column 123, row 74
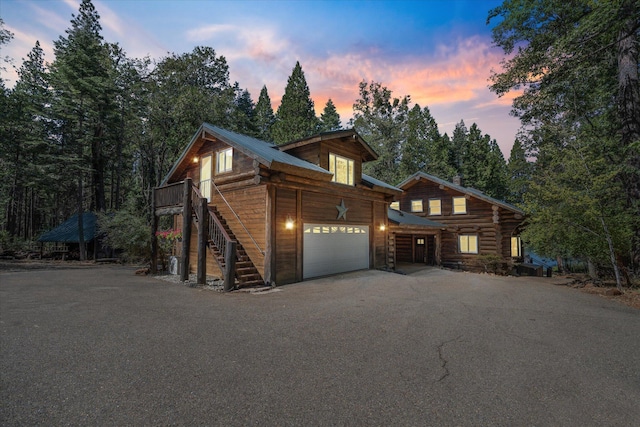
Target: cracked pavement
column 101, row 346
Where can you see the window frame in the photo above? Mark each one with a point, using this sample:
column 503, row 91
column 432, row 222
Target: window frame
column 223, row 157
column 413, row 209
column 351, row 166
column 439, row 207
column 518, row 242
column 453, row 207
column 467, row 237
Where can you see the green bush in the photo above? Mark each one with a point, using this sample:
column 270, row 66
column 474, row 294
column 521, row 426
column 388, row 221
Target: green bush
column 127, row 232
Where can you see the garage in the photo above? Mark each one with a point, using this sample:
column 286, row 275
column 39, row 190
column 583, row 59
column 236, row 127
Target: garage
column 331, row 249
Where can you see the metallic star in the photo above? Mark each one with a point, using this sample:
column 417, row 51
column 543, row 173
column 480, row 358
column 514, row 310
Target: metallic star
column 342, row 210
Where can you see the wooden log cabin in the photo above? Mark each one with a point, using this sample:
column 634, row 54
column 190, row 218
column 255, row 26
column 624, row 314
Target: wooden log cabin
column 267, row 214
column 474, row 224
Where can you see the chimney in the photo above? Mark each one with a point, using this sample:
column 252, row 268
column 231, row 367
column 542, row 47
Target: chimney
column 457, row 180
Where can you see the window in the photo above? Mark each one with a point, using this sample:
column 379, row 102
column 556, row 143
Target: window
column 516, row 247
column 459, row 205
column 435, row 207
column 224, row 161
column 468, row 243
column 416, row 206
column 420, row 241
column 342, row 169
column 395, row 205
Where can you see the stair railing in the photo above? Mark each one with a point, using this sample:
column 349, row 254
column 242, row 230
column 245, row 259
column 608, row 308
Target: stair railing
column 213, row 184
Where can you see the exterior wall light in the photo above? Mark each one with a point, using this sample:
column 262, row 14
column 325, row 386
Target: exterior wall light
column 195, row 159
column 289, row 223
column 383, row 227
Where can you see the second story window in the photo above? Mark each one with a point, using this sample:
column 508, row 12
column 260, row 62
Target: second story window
column 395, row 205
column 435, row 207
column 459, row 205
column 342, row 169
column 416, row 206
column 224, row 161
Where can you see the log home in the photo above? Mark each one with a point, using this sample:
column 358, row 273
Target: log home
column 474, row 224
column 256, row 213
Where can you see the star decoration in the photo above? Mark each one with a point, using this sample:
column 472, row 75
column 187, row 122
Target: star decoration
column 342, row 210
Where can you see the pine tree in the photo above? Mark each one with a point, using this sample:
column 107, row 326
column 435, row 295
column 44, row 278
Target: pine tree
column 263, row 116
column 296, row 117
column 329, row 119
column 518, row 173
column 243, row 121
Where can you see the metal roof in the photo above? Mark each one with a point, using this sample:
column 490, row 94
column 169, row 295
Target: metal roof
column 373, row 181
column 404, row 218
column 68, row 231
column 465, row 190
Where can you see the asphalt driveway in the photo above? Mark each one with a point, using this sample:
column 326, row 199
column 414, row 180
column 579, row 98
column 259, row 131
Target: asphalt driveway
column 101, row 346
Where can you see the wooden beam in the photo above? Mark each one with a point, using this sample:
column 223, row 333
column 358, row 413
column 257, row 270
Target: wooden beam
column 176, row 210
column 203, row 236
column 154, row 238
column 230, row 266
column 270, row 237
column 186, row 231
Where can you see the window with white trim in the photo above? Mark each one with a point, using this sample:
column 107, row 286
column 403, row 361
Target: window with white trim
column 342, row 169
column 224, row 161
column 516, row 247
column 435, row 207
column 468, row 243
column 395, row 205
column 459, row 205
column 416, row 206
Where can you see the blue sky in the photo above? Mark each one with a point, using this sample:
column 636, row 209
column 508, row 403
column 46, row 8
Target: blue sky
column 437, row 51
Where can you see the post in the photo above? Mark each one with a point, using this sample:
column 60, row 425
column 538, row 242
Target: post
column 186, row 230
column 203, row 236
column 154, row 238
column 230, row 266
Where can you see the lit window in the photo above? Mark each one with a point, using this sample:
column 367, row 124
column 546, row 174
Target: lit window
column 416, row 206
column 435, row 207
column 468, row 243
column 224, row 161
column 341, row 168
column 516, row 247
column 459, row 205
column 395, row 205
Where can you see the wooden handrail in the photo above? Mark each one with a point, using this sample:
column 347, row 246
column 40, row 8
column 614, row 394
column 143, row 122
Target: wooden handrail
column 168, row 195
column 217, row 233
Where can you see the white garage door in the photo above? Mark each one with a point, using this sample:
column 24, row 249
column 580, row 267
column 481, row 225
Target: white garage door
column 330, row 249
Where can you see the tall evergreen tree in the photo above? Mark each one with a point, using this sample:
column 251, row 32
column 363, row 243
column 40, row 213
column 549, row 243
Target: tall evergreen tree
column 577, row 66
column 263, row 116
column 380, row 120
column 329, row 119
column 80, row 81
column 519, row 173
column 296, row 117
column 243, row 121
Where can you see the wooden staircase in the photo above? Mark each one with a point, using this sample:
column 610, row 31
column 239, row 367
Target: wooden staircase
column 246, row 273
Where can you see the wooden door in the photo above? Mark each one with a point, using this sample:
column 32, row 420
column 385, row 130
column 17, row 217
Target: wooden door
column 205, row 177
column 419, row 251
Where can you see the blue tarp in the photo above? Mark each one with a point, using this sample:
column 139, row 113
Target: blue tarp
column 67, row 232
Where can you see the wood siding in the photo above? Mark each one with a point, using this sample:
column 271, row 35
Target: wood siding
column 492, row 224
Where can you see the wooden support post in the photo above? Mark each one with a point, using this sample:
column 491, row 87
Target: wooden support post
column 203, row 236
column 154, row 238
column 230, row 266
column 186, row 230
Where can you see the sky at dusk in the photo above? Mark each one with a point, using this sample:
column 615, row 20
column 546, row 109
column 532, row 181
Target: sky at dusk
column 437, row 51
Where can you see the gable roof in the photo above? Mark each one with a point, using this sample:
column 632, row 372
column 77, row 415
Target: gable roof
column 404, row 218
column 336, row 134
column 265, row 153
column 373, row 182
column 68, row 231
column 464, row 190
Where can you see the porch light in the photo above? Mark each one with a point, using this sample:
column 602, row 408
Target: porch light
column 383, row 227
column 289, row 223
column 195, row 159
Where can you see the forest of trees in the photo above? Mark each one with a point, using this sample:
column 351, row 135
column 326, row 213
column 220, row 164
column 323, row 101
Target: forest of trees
column 96, row 130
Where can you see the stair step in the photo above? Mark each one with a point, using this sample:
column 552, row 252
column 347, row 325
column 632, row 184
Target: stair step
column 249, row 277
column 259, row 282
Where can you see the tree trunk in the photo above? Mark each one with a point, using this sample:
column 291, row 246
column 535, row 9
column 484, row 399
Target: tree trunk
column 629, row 108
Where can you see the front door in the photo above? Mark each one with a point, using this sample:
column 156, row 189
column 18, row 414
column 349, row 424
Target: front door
column 419, row 251
column 205, row 177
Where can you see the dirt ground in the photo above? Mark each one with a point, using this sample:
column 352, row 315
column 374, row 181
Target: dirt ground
column 630, row 297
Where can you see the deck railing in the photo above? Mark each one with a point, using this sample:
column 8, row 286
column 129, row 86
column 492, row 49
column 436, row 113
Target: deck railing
column 169, row 195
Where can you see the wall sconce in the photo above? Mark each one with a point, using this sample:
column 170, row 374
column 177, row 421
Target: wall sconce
column 289, row 223
column 195, row 159
column 383, row 227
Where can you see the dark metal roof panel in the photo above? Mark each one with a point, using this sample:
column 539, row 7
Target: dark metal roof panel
column 404, row 218
column 67, row 232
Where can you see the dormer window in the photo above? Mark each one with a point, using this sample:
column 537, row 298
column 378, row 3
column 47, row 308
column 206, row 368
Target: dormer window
column 342, row 169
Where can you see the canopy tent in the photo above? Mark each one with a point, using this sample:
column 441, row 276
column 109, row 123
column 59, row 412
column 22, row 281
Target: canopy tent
column 67, row 232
